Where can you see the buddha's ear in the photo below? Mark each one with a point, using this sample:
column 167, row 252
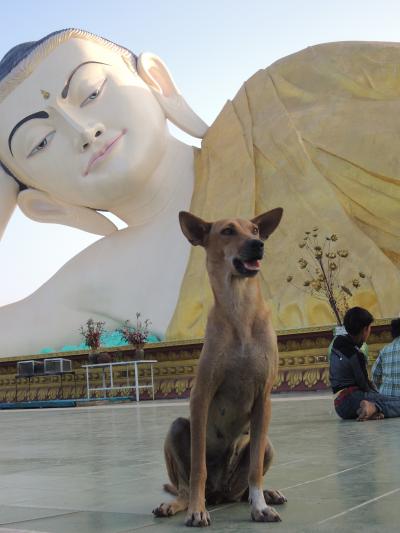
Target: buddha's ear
column 157, row 76
column 8, row 198
column 42, row 207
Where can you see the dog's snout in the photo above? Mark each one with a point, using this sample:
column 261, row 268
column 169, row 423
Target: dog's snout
column 253, row 249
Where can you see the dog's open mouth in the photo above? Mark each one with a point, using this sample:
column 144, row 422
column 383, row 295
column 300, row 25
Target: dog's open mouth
column 248, row 267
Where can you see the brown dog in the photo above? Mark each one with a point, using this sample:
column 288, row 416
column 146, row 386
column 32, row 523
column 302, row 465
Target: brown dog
column 222, row 454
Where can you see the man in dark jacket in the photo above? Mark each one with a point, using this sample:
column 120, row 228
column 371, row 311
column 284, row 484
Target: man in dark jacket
column 356, row 396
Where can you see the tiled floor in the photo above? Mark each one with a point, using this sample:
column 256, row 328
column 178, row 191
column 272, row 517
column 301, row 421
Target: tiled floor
column 100, row 469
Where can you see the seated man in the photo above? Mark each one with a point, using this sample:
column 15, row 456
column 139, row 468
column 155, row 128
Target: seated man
column 356, row 396
column 386, row 369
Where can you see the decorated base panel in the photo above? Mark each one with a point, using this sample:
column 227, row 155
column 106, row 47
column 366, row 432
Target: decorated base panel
column 303, row 366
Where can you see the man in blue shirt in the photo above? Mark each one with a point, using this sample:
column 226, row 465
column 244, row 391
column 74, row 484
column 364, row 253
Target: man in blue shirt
column 386, row 369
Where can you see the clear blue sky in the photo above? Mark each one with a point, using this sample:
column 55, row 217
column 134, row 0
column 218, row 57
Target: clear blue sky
column 211, row 48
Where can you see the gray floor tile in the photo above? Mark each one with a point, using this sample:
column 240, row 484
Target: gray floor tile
column 14, row 513
column 101, row 470
column 87, row 522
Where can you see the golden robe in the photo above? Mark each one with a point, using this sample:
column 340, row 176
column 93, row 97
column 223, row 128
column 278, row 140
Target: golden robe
column 317, row 133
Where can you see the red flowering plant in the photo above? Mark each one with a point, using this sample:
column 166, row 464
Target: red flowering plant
column 92, row 333
column 321, row 265
column 136, row 334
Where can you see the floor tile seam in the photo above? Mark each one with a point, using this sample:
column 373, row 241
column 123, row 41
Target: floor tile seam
column 75, row 506
column 274, row 397
column 56, row 476
column 152, row 524
column 8, row 530
column 287, row 463
column 88, row 508
column 107, row 485
column 110, row 484
column 49, row 470
column 70, row 512
column 99, row 508
column 25, row 503
column 27, row 506
column 359, row 506
column 301, row 398
column 332, row 474
column 40, row 517
column 224, row 506
column 130, row 480
column 148, row 404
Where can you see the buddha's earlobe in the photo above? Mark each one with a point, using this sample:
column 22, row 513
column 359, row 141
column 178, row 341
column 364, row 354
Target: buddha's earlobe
column 8, row 198
column 41, row 207
column 157, row 76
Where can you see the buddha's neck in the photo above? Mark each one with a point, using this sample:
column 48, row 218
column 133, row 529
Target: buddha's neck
column 169, row 187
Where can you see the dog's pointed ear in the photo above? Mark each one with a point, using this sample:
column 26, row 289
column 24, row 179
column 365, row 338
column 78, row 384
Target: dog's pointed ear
column 194, row 228
column 268, row 222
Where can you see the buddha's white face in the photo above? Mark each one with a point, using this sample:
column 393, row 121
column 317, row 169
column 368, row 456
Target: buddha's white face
column 97, row 137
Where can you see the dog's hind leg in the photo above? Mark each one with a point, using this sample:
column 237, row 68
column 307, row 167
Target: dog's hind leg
column 177, row 459
column 236, row 485
column 238, row 479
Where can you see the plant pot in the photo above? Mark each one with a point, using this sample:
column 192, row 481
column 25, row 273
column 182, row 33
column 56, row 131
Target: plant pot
column 96, row 357
column 104, row 357
column 92, row 358
column 139, row 352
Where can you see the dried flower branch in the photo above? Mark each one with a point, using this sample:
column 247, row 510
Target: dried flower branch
column 322, row 264
column 92, row 333
column 137, row 333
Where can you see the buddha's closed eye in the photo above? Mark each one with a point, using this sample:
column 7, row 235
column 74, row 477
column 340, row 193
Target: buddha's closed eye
column 94, row 94
column 43, row 144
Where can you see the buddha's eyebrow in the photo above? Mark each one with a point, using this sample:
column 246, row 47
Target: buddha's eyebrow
column 39, row 114
column 64, row 92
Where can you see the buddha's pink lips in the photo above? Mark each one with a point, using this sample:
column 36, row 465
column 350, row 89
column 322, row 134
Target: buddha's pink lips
column 104, row 151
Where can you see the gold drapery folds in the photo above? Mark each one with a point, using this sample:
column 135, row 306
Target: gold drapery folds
column 317, row 133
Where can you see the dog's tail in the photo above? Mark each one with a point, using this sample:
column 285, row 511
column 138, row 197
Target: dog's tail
column 168, row 487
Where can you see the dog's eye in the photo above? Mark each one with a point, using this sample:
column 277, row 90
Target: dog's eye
column 228, row 231
column 255, row 230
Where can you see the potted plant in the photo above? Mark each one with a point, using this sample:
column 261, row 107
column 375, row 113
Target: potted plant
column 136, row 334
column 321, row 265
column 91, row 333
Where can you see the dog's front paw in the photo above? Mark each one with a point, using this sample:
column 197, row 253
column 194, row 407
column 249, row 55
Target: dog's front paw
column 274, row 497
column 267, row 514
column 197, row 518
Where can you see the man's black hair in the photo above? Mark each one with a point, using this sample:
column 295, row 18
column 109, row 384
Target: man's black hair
column 395, row 328
column 356, row 319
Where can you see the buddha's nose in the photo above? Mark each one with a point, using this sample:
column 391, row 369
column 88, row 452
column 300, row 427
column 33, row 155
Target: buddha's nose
column 84, row 131
column 90, row 134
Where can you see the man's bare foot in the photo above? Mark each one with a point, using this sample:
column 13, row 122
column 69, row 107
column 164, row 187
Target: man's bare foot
column 368, row 411
column 377, row 416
